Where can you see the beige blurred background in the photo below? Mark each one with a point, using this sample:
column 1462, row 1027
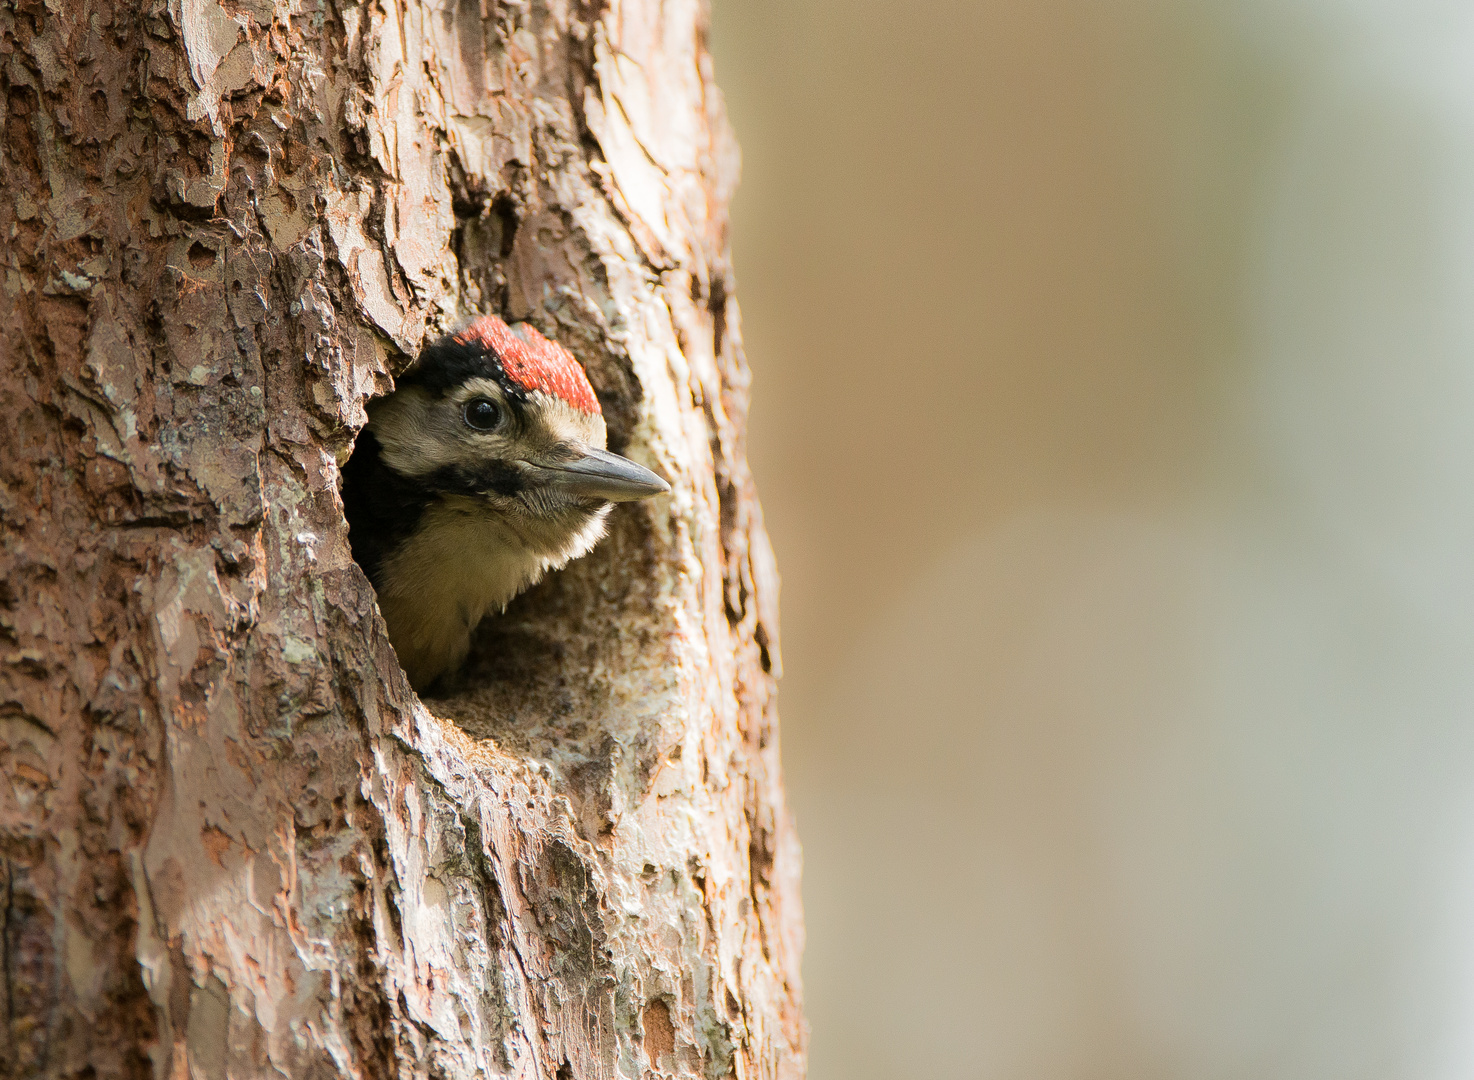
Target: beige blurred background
column 1114, row 421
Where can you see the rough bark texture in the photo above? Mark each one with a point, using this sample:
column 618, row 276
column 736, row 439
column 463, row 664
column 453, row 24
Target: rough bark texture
column 234, row 841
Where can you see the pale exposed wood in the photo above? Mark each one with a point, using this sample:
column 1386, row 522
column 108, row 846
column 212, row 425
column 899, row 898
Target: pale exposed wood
column 234, row 842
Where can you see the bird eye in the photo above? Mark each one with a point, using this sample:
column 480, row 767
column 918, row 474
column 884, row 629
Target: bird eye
column 481, row 414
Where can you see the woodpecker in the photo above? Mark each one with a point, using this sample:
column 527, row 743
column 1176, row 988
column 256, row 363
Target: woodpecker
column 483, row 470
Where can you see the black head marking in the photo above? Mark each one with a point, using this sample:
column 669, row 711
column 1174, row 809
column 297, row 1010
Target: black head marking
column 450, row 362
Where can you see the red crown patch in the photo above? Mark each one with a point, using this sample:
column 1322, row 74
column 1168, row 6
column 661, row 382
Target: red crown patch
column 533, row 362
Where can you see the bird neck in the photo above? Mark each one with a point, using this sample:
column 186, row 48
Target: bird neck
column 462, row 562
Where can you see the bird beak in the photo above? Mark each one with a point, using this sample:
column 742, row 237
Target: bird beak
column 601, row 475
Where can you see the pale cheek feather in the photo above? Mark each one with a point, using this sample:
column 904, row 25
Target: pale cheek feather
column 412, row 443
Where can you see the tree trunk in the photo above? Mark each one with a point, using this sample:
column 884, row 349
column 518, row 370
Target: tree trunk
column 234, row 842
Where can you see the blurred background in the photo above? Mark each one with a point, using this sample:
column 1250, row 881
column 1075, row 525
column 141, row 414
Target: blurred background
column 1114, row 421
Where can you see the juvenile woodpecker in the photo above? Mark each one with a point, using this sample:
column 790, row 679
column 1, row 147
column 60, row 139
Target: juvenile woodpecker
column 482, row 471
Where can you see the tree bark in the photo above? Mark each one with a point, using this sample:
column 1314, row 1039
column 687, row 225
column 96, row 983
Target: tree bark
column 234, row 842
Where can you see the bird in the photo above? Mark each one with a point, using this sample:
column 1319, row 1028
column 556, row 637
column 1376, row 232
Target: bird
column 485, row 468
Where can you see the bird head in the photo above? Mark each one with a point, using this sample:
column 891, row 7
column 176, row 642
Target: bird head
column 505, row 421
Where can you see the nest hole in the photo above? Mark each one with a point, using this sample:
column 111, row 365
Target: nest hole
column 571, row 664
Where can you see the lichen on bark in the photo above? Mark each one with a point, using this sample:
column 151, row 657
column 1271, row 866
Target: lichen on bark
column 232, row 841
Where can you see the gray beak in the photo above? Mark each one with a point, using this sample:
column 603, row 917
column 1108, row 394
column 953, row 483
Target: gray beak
column 602, row 475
